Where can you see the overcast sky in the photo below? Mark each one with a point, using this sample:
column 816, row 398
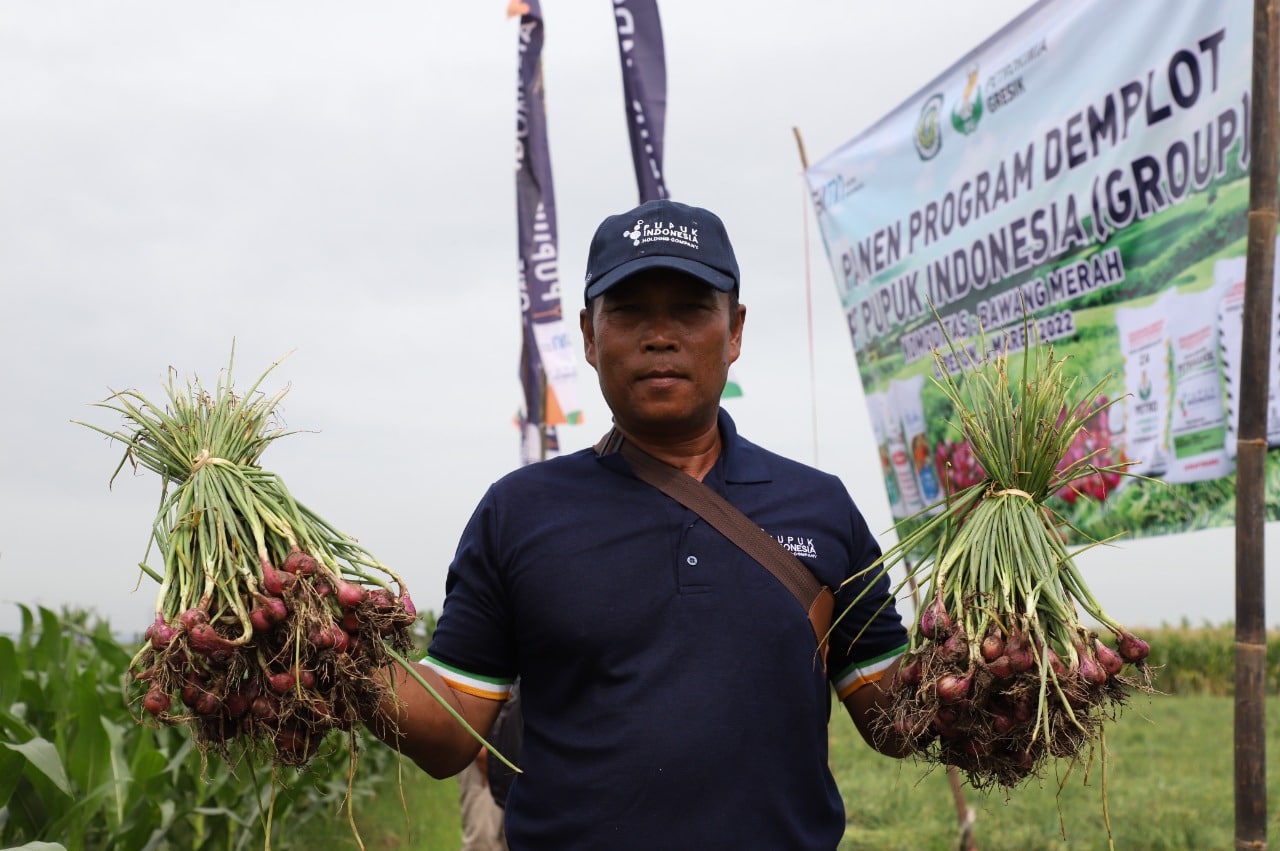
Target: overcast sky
column 335, row 180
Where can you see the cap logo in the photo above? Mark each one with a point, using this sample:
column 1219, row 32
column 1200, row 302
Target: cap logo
column 644, row 232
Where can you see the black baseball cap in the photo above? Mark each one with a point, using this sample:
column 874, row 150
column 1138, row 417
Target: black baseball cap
column 661, row 234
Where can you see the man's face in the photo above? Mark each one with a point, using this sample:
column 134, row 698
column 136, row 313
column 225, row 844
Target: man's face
column 661, row 343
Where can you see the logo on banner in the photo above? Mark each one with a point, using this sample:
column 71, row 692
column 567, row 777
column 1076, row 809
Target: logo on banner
column 1007, row 83
column 928, row 135
column 968, row 112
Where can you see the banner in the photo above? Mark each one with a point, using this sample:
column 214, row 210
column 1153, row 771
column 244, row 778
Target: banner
column 538, row 439
column 644, row 87
column 1089, row 164
column 548, row 371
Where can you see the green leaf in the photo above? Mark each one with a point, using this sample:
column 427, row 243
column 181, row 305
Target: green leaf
column 13, row 726
column 84, row 818
column 28, row 809
column 147, row 759
column 43, row 756
column 10, row 672
column 52, row 643
column 10, row 775
column 87, row 746
column 27, row 624
column 147, row 829
column 117, row 767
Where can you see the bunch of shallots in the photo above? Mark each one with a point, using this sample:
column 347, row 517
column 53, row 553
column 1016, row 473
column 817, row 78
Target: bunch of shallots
column 271, row 627
column 1003, row 670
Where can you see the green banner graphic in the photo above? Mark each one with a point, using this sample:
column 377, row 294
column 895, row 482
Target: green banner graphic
column 1083, row 175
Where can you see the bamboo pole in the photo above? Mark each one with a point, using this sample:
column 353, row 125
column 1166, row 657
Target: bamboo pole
column 808, row 306
column 543, row 433
column 1251, row 454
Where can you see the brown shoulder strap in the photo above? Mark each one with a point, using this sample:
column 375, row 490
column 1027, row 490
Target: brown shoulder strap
column 817, row 600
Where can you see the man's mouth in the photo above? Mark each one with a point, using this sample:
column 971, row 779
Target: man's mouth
column 662, row 377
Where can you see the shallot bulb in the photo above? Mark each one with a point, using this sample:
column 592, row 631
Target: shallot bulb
column 1109, row 659
column 276, row 582
column 956, row 647
column 909, row 674
column 935, row 623
column 952, row 688
column 301, row 564
column 160, row 633
column 156, row 701
column 1001, row 667
column 992, row 647
column 1090, row 669
column 1132, row 648
column 349, row 594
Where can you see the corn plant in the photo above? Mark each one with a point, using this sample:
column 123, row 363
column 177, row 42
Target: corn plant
column 77, row 770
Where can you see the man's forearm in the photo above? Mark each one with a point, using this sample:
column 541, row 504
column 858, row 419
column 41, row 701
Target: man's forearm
column 867, row 707
column 413, row 722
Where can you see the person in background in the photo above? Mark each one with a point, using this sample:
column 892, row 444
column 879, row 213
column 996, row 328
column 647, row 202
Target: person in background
column 481, row 815
column 672, row 694
column 506, row 735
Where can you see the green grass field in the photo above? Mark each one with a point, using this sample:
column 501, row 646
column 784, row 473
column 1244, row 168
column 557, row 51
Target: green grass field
column 1168, row 782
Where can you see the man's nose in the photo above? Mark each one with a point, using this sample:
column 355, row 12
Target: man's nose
column 660, row 333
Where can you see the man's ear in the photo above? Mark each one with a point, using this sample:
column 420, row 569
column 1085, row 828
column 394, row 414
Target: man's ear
column 735, row 333
column 588, row 336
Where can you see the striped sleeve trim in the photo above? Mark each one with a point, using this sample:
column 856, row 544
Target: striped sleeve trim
column 491, row 688
column 860, row 674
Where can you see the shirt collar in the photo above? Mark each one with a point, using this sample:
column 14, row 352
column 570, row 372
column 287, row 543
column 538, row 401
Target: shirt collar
column 740, row 461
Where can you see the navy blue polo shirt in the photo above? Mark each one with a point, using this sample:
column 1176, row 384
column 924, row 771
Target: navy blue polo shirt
column 670, row 690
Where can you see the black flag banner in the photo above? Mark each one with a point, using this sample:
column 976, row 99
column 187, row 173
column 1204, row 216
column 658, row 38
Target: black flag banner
column 547, row 366
column 644, row 86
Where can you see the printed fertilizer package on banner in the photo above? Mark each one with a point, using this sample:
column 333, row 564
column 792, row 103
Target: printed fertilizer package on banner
column 884, row 411
column 877, row 404
column 1198, row 416
column 907, row 401
column 1144, row 343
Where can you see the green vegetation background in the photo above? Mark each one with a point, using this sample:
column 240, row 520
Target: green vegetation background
column 76, row 769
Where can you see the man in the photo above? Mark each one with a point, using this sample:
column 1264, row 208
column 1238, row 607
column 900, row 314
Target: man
column 672, row 694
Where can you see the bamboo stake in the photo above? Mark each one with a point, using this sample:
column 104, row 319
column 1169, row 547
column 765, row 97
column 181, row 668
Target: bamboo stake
column 1251, row 457
column 808, row 304
column 542, row 421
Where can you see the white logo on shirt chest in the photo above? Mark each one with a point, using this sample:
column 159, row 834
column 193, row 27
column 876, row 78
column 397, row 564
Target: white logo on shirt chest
column 797, row 545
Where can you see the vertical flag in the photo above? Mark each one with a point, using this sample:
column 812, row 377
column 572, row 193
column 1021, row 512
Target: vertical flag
column 548, row 372
column 644, row 87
